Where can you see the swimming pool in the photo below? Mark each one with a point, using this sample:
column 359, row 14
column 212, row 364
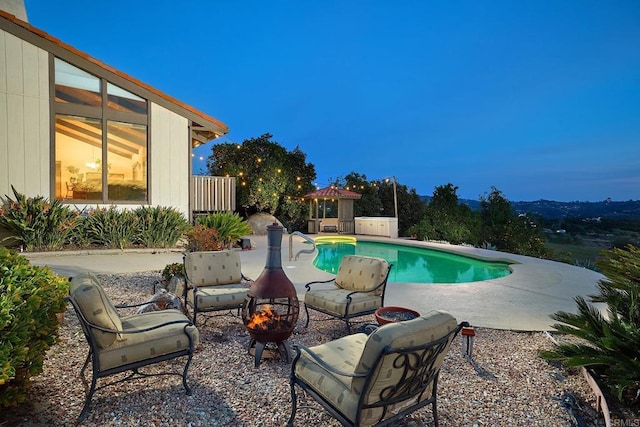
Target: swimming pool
column 412, row 264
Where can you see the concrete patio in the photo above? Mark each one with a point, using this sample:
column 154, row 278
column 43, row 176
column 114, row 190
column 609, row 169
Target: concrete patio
column 521, row 301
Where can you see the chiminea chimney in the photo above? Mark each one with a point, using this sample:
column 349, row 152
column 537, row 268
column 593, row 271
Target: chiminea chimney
column 16, row 8
column 271, row 308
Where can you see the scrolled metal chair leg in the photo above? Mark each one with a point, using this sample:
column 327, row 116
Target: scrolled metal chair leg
column 306, row 310
column 87, row 402
column 293, row 405
column 184, row 376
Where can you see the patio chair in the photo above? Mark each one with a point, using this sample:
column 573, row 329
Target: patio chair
column 121, row 344
column 359, row 289
column 376, row 379
column 214, row 282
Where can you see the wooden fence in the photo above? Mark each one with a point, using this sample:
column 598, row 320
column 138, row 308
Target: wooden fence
column 212, row 194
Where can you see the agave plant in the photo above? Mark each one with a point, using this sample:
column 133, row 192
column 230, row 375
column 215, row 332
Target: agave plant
column 230, row 226
column 610, row 344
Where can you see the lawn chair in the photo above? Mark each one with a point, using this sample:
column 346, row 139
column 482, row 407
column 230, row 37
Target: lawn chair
column 376, row 379
column 359, row 289
column 120, row 344
column 214, row 282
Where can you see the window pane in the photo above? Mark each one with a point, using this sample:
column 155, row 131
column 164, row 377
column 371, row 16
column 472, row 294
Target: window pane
column 75, row 86
column 122, row 100
column 78, row 151
column 127, row 162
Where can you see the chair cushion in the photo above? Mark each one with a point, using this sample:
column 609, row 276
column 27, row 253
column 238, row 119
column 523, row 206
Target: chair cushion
column 96, row 307
column 353, row 352
column 213, row 268
column 219, row 297
column 419, row 331
column 361, row 273
column 334, row 301
column 342, row 354
column 135, row 347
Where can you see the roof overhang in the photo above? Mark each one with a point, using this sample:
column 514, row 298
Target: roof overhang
column 204, row 127
column 332, row 193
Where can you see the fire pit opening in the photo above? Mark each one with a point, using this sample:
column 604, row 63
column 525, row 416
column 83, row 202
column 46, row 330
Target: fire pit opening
column 271, row 308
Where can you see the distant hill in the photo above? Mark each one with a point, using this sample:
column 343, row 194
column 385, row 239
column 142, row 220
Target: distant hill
column 629, row 210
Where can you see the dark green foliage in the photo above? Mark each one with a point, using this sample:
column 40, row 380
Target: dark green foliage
column 446, row 219
column 378, row 200
column 170, row 270
column 229, row 227
column 294, row 214
column 611, row 345
column 37, row 223
column 30, row 297
column 111, row 228
column 267, row 175
column 370, row 204
column 508, row 231
column 160, row 227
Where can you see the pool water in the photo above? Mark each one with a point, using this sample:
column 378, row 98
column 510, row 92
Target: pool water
column 413, row 264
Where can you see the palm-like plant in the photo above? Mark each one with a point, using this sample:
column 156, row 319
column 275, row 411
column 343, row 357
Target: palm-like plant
column 229, row 226
column 611, row 344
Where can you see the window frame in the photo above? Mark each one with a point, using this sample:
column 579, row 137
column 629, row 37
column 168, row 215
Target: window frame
column 105, row 115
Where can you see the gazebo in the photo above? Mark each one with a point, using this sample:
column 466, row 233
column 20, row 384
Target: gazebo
column 344, row 223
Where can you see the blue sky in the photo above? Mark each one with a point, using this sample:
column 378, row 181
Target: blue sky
column 540, row 99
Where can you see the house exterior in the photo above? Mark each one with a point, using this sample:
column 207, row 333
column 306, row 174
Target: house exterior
column 75, row 129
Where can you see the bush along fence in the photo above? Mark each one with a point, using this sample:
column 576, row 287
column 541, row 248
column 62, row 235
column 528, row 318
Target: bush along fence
column 36, row 224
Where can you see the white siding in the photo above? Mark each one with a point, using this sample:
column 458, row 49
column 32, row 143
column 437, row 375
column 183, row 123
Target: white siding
column 169, row 159
column 24, row 118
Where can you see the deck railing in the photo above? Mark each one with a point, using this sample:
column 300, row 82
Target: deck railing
column 213, row 194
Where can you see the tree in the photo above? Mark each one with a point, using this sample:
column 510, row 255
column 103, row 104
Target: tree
column 446, row 219
column 269, row 178
column 370, row 204
column 378, row 199
column 503, row 228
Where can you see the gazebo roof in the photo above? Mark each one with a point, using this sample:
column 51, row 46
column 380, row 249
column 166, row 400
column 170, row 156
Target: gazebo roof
column 332, row 193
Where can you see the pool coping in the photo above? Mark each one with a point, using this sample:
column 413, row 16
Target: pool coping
column 521, row 301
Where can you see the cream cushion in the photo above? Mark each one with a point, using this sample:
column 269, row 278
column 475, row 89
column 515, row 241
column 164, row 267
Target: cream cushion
column 334, row 301
column 361, row 273
column 356, row 354
column 96, row 307
column 213, row 268
column 217, row 275
column 144, row 345
column 221, row 297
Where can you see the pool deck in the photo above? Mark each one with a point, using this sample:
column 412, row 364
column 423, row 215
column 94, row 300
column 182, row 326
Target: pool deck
column 521, row 301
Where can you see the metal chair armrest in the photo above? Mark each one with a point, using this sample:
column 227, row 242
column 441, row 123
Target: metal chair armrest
column 137, row 331
column 308, row 285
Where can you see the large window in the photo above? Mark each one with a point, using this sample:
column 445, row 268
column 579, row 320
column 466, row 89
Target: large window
column 100, row 140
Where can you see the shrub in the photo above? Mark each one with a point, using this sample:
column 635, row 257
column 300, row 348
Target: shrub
column 611, row 346
column 110, row 227
column 37, row 223
column 30, row 297
column 201, row 238
column 170, row 270
column 229, row 226
column 160, row 227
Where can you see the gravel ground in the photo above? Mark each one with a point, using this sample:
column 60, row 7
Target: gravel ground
column 509, row 385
